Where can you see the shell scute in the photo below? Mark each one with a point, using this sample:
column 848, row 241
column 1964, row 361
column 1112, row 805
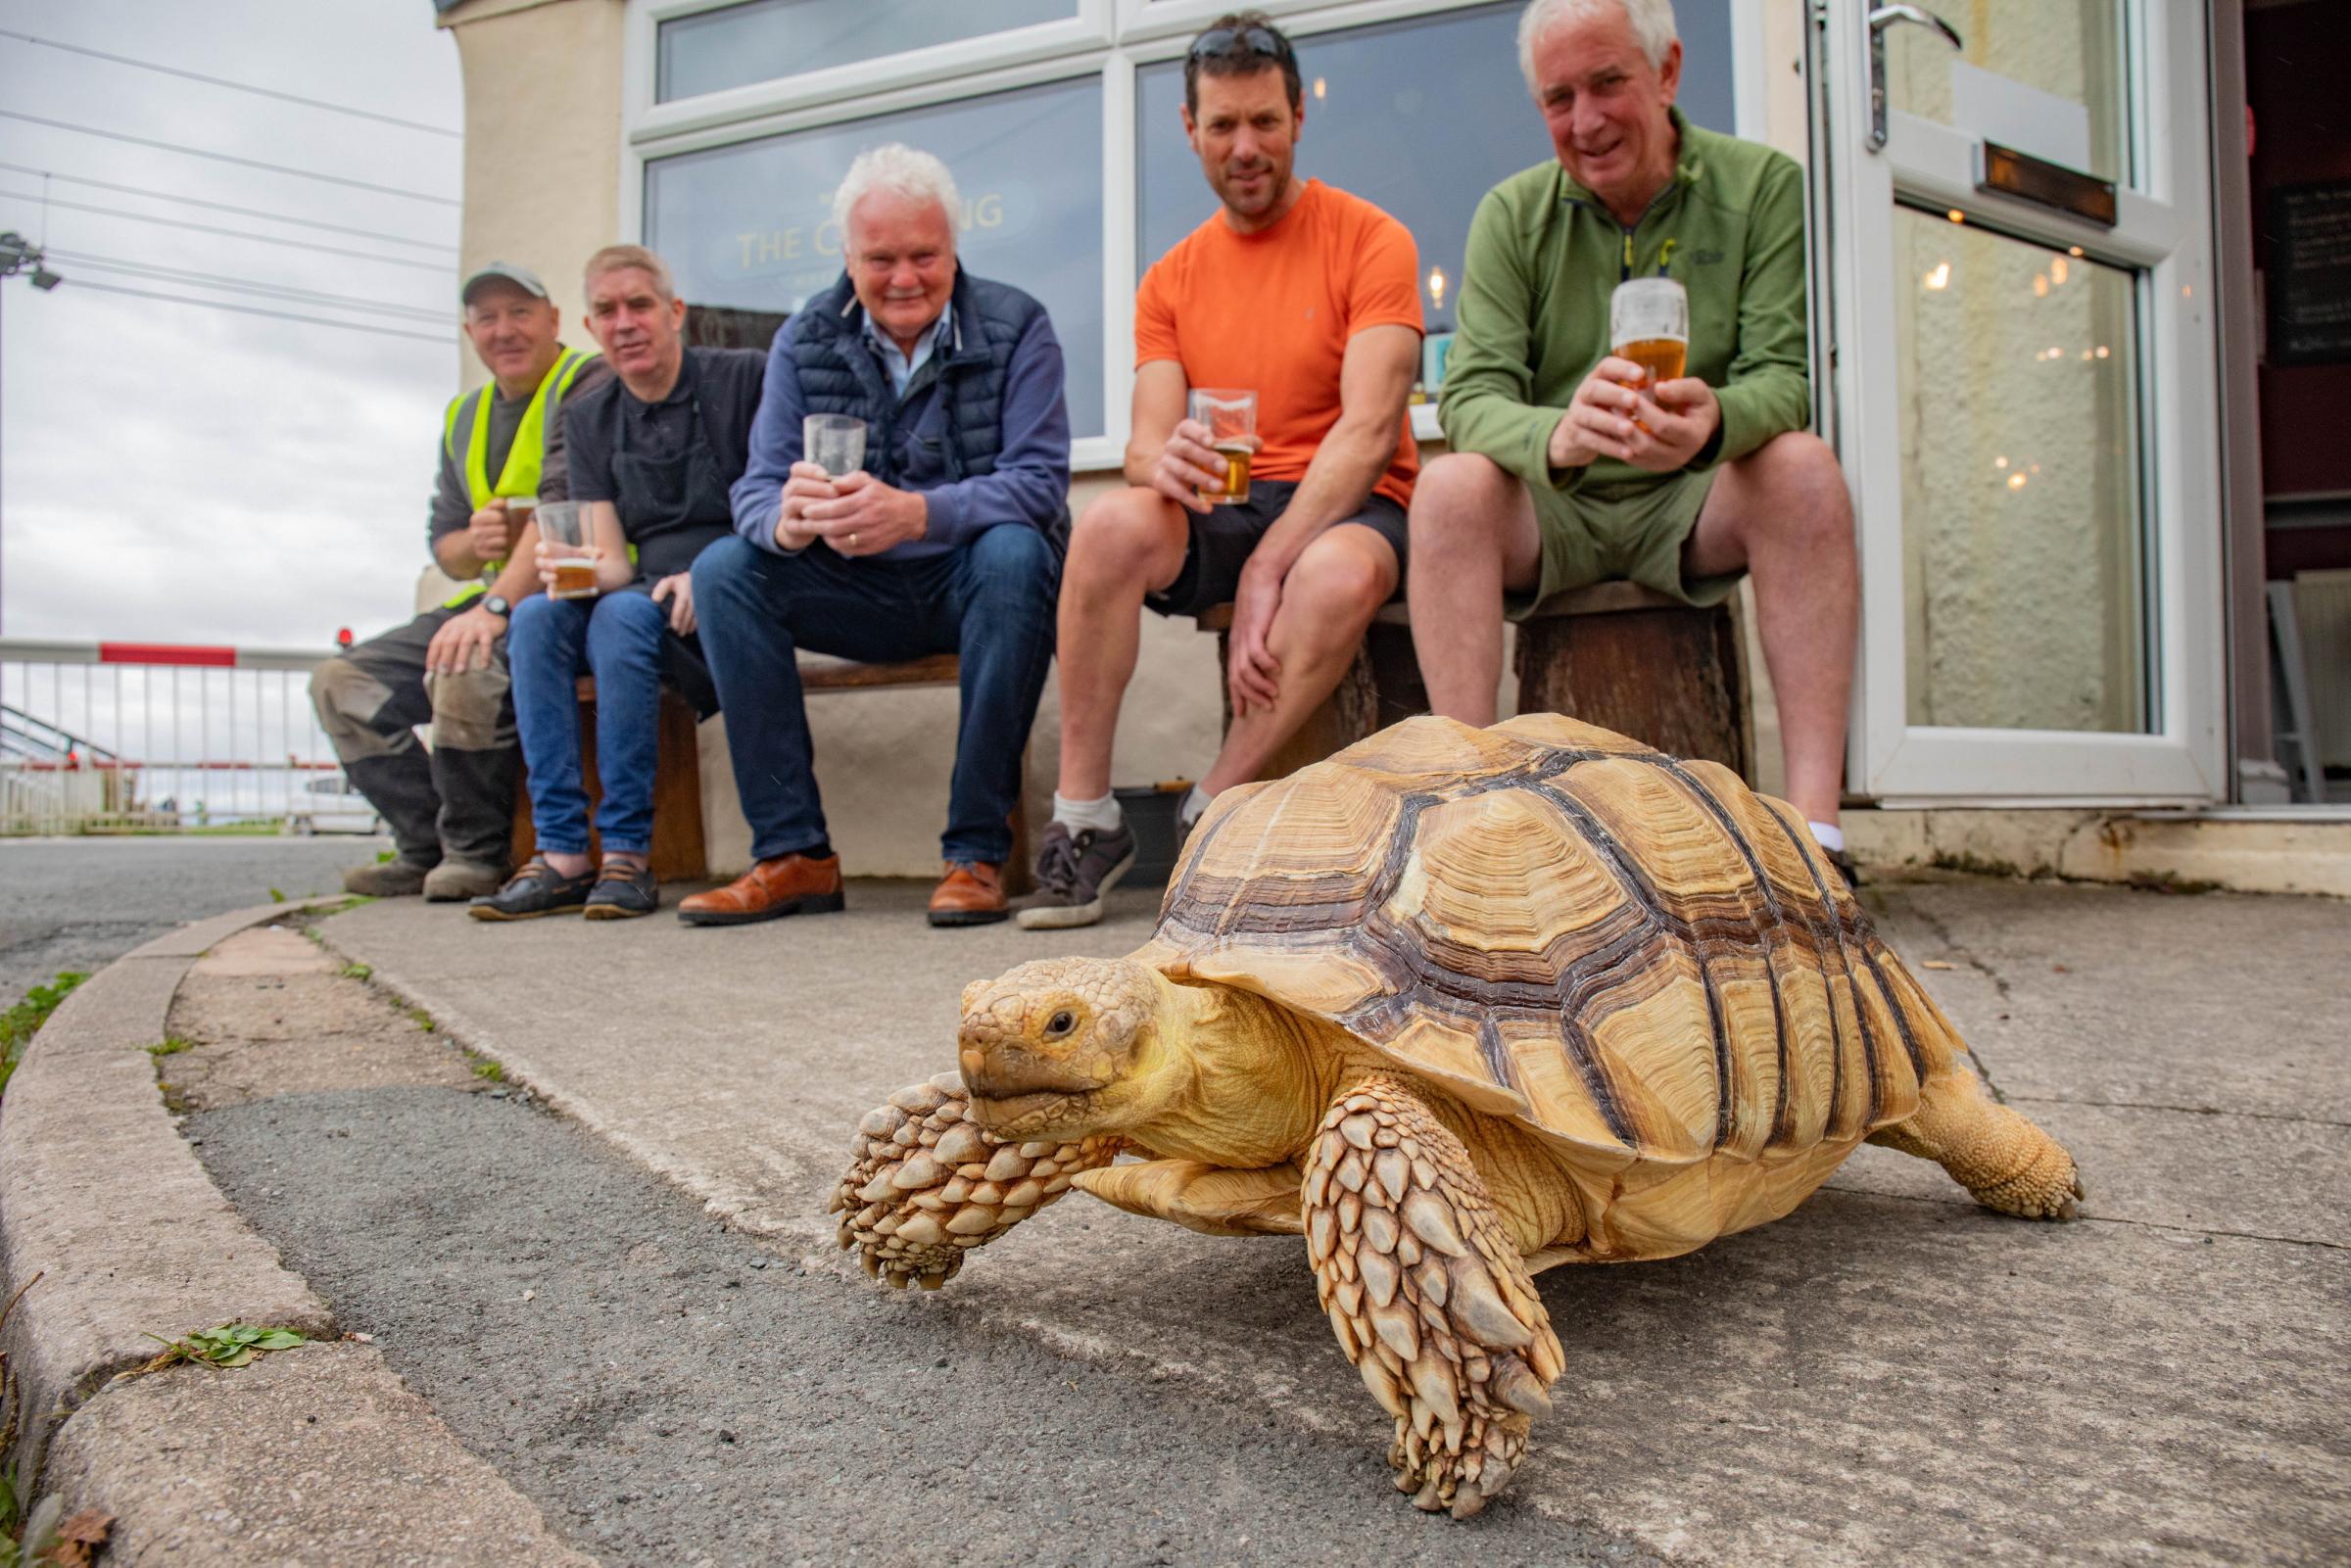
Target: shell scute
column 1633, row 956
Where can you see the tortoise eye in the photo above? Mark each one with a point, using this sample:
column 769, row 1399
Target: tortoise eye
column 1060, row 1023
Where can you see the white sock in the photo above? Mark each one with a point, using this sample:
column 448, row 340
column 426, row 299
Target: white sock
column 1831, row 838
column 1194, row 803
column 1102, row 816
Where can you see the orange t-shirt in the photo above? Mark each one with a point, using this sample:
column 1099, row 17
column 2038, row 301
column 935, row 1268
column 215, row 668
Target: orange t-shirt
column 1273, row 311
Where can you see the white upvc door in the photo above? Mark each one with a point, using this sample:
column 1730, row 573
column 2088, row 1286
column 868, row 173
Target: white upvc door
column 2023, row 398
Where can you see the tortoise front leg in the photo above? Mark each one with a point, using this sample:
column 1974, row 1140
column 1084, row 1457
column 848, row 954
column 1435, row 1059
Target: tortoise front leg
column 924, row 1185
column 1427, row 1294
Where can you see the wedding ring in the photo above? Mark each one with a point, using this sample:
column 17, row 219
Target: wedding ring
column 852, row 540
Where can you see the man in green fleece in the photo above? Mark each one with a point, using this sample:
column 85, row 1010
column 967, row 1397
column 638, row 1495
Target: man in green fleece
column 1563, row 473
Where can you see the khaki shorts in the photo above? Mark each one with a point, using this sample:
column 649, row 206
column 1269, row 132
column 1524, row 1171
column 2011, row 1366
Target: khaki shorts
column 1633, row 529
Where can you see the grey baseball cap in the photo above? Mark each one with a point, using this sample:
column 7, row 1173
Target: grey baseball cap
column 522, row 278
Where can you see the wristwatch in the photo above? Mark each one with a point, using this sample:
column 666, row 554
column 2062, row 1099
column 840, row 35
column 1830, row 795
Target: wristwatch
column 495, row 605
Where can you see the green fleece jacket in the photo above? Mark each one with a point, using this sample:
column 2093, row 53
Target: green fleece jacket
column 1544, row 256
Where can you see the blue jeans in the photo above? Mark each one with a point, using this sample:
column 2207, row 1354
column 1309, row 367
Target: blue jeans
column 619, row 639
column 990, row 602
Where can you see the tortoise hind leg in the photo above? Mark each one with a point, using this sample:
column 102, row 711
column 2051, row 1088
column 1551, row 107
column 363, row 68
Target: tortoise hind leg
column 926, row 1185
column 2006, row 1162
column 1427, row 1295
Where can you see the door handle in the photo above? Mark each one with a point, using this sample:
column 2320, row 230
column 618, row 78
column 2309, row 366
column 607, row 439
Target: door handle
column 1880, row 20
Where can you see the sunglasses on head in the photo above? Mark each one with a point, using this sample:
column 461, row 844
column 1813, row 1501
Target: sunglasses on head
column 1258, row 40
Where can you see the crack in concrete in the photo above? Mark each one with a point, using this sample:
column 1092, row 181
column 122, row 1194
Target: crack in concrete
column 2089, row 1219
column 2182, row 1110
column 1951, row 944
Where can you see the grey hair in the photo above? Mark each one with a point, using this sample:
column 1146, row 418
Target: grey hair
column 1652, row 20
column 905, row 171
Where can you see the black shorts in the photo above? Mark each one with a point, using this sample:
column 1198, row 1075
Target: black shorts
column 1222, row 540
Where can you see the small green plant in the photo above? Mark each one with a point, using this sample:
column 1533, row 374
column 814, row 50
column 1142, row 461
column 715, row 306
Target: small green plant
column 171, row 1045
column 385, row 857
column 358, row 971
column 229, row 1344
column 20, row 1022
column 276, row 898
column 422, row 1020
column 484, row 1068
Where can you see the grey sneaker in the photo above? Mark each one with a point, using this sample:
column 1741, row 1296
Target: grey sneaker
column 455, row 880
column 1073, row 873
column 388, row 879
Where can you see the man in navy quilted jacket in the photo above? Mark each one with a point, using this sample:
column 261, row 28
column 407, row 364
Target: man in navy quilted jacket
column 947, row 539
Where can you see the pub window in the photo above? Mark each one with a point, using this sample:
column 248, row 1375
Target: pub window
column 750, row 224
column 736, row 45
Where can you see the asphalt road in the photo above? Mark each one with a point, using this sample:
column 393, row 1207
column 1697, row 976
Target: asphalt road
column 668, row 1392
column 80, row 903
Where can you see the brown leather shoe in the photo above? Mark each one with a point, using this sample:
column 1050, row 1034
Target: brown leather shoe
column 970, row 893
column 788, row 884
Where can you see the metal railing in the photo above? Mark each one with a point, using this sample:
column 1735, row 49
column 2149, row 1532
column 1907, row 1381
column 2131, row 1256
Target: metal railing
column 132, row 736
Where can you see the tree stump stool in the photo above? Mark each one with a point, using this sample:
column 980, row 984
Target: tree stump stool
column 1644, row 664
column 1614, row 654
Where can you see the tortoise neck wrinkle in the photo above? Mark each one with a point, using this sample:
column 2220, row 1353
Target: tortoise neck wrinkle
column 1259, row 1080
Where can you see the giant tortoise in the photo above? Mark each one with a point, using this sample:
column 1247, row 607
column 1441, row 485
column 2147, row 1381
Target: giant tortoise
column 1457, row 1005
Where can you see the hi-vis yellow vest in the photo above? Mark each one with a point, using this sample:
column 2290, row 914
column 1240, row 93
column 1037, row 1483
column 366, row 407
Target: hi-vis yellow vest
column 465, row 435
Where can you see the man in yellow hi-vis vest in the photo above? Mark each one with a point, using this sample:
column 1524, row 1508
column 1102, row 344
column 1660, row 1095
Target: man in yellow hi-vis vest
column 450, row 808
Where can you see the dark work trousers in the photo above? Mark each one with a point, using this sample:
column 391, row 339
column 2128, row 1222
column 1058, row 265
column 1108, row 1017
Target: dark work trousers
column 456, row 800
column 990, row 602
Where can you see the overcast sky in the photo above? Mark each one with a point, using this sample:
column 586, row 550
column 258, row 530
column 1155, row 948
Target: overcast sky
column 176, row 473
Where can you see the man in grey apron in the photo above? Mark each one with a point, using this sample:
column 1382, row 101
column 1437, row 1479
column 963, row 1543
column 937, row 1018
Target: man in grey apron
column 652, row 454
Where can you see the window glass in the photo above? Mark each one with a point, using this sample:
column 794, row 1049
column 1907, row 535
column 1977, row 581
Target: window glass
column 750, row 226
column 769, row 38
column 1420, row 118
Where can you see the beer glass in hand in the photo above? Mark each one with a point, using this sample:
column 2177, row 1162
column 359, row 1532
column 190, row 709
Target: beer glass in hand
column 564, row 549
column 1231, row 416
column 834, row 442
column 1648, row 323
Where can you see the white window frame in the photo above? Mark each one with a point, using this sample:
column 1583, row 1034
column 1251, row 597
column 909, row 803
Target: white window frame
column 2163, row 230
column 1106, row 40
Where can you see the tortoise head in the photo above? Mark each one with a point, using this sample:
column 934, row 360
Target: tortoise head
column 1064, row 1047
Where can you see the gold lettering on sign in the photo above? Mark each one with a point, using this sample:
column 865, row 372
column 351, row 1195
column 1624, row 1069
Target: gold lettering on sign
column 789, row 244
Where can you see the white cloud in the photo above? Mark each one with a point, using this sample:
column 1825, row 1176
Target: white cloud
column 174, row 473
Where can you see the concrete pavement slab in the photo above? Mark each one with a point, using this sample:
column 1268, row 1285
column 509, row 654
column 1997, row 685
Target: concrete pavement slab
column 267, row 1013
column 1877, row 1376
column 2261, row 1177
column 2213, row 1002
column 313, row 1457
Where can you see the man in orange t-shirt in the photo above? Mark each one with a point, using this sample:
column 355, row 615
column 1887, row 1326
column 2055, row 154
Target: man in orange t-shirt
column 1310, row 297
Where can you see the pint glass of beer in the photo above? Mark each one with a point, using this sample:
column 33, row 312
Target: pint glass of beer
column 1230, row 415
column 1648, row 323
column 564, row 530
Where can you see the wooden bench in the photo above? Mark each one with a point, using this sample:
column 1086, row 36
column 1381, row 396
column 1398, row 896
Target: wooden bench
column 1614, row 654
column 678, row 855
column 678, row 851
column 824, row 673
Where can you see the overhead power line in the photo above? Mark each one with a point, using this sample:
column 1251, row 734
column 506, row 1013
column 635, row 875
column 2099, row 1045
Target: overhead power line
column 228, row 157
column 224, row 207
column 239, row 86
column 235, row 233
column 444, row 339
column 271, row 291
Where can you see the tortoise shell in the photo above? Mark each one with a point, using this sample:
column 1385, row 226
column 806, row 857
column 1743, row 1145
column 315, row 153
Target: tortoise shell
column 1639, row 959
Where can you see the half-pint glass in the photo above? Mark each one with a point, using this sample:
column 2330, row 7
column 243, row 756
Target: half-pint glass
column 1230, row 415
column 564, row 530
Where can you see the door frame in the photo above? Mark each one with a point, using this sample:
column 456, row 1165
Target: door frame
column 2164, row 227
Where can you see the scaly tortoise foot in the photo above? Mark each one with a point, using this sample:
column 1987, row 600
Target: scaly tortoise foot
column 926, row 1185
